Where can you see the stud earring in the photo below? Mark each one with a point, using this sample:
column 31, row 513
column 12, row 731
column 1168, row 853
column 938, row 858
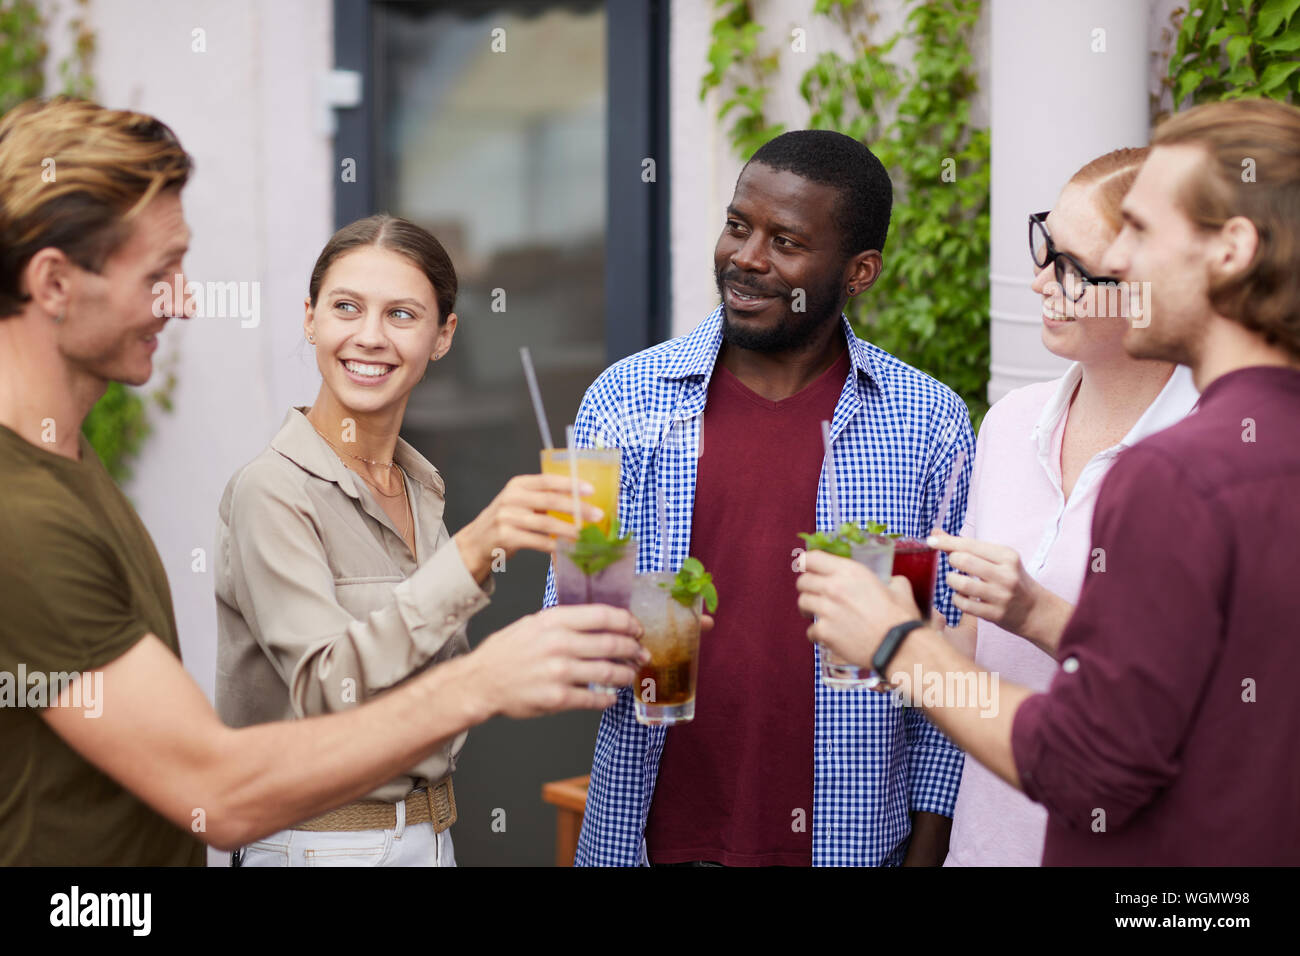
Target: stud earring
column 852, row 290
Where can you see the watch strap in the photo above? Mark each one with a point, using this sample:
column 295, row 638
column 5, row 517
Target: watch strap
column 889, row 646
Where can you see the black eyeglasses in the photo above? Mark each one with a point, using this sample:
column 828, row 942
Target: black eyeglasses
column 1071, row 276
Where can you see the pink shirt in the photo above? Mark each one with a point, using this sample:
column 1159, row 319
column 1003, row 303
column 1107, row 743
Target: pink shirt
column 1016, row 499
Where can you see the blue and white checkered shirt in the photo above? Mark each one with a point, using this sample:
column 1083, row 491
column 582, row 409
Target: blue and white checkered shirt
column 895, row 434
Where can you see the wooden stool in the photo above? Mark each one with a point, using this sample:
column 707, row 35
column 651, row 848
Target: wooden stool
column 570, row 800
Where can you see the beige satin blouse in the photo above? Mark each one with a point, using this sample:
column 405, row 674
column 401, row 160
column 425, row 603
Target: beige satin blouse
column 320, row 605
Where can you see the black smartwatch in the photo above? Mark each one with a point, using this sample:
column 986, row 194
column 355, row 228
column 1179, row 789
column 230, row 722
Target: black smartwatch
column 890, row 645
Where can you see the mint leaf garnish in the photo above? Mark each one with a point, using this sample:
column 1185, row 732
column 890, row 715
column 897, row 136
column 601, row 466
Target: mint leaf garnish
column 692, row 582
column 594, row 550
column 849, row 534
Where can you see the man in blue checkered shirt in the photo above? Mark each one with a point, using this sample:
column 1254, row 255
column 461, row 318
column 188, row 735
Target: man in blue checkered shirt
column 777, row 768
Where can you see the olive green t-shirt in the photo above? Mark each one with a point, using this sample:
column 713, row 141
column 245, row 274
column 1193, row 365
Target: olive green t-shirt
column 80, row 584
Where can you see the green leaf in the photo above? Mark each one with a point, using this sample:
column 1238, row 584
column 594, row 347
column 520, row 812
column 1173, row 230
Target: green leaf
column 1272, row 14
column 693, row 582
column 1238, row 47
column 820, row 541
column 1241, row 75
column 1187, row 82
column 1287, row 43
column 1210, row 19
column 1275, row 74
column 1187, row 30
column 595, row 550
column 1218, row 36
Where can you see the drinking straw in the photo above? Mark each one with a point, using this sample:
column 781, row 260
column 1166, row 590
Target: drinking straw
column 537, row 397
column 830, row 477
column 573, row 473
column 951, row 487
column 663, row 526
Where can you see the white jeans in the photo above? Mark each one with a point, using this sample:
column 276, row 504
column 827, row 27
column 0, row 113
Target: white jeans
column 415, row 845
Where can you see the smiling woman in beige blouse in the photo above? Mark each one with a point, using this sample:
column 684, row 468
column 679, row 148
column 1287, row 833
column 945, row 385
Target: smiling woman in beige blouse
column 336, row 576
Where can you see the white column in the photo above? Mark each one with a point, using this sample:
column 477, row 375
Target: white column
column 1069, row 82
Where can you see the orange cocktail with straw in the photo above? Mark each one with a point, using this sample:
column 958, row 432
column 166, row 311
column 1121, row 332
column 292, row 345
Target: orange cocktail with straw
column 597, row 466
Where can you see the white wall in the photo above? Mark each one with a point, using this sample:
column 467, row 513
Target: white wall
column 260, row 208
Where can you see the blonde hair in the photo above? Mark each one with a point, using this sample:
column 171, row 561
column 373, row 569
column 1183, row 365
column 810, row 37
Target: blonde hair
column 1111, row 175
column 72, row 176
column 1251, row 168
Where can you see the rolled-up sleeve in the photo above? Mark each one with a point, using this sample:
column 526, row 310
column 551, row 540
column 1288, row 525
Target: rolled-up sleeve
column 285, row 589
column 1138, row 652
column 934, row 766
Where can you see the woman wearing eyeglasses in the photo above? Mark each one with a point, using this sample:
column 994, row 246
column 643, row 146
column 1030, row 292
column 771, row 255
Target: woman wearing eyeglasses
column 1042, row 453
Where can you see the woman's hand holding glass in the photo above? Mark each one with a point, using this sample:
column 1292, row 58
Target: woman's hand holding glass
column 990, row 582
column 517, row 519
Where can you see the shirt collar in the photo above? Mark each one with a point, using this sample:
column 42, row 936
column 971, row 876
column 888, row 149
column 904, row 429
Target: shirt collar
column 1174, row 402
column 299, row 441
column 695, row 354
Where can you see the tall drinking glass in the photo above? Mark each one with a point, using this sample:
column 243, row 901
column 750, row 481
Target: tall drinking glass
column 877, row 553
column 610, row 585
column 599, row 467
column 919, row 563
column 664, row 693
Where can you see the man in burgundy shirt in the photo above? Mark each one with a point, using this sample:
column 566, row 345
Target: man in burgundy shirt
column 1169, row 733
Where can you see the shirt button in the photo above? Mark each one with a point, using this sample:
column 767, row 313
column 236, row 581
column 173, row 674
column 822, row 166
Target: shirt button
column 1070, row 665
column 451, row 619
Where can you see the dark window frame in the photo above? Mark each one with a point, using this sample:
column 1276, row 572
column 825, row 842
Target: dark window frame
column 637, row 255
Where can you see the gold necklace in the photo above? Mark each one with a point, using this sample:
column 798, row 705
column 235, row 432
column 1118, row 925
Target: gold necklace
column 369, row 461
column 410, row 515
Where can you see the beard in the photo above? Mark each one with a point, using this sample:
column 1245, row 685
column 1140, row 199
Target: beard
column 1173, row 334
column 792, row 330
column 1139, row 345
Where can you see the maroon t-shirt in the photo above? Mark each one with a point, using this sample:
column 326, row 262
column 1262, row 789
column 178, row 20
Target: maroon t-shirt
column 1168, row 736
column 736, row 784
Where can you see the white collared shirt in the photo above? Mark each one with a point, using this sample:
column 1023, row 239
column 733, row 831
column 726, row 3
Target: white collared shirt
column 1174, row 402
column 1016, row 499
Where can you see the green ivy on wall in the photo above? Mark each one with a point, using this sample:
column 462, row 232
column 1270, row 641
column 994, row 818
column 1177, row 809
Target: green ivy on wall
column 117, row 426
column 931, row 308
column 1234, row 49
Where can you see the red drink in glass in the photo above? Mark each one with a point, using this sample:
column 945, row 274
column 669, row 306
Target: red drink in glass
column 920, row 565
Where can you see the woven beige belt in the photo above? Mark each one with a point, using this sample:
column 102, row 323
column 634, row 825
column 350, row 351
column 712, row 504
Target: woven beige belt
column 436, row 805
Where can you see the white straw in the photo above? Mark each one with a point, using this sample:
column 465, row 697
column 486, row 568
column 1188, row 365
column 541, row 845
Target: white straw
column 573, row 473
column 957, row 464
column 536, row 392
column 830, row 478
column 663, row 526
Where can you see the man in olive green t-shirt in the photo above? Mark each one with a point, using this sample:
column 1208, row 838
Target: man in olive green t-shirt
column 129, row 763
column 80, row 584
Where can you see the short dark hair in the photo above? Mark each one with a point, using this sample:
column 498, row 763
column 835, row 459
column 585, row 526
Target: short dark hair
column 825, row 156
column 402, row 236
